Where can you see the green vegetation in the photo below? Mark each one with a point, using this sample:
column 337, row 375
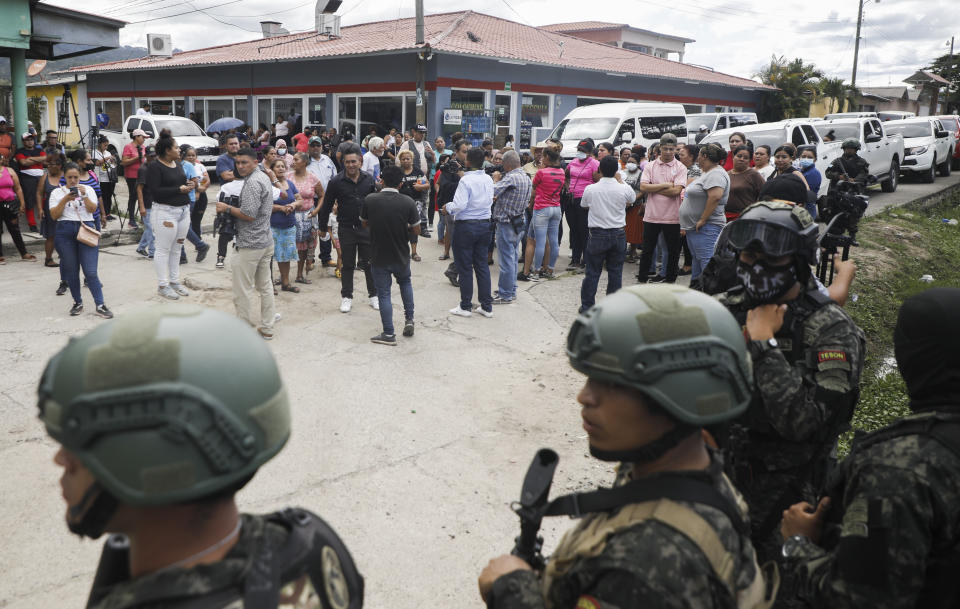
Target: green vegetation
column 897, row 248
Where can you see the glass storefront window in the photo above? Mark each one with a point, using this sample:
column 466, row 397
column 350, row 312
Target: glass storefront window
column 217, row 108
column 116, row 112
column 502, row 111
column 240, row 109
column 316, row 111
column 534, row 112
column 380, row 114
column 467, row 100
column 265, row 113
column 347, row 115
column 411, row 107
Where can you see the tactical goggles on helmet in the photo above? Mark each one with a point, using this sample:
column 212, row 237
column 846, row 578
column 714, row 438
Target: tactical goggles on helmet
column 756, row 235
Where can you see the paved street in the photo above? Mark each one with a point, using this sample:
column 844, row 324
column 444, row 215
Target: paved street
column 412, row 453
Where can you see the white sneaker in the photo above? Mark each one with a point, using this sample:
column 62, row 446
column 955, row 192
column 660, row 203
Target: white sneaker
column 487, row 314
column 375, row 303
column 458, row 311
column 179, row 289
column 345, row 305
column 168, row 293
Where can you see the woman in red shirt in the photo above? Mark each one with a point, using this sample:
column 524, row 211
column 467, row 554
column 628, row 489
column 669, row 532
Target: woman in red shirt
column 545, row 225
column 130, row 160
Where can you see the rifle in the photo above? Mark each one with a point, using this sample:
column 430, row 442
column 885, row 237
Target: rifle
column 531, row 507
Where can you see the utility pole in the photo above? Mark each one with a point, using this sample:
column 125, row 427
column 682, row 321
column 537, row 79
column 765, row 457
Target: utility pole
column 421, row 67
column 856, row 47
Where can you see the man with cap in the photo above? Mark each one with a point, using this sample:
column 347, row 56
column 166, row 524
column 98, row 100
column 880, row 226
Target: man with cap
column 807, row 358
column 6, row 139
column 423, row 158
column 663, row 180
column 154, row 449
column 661, row 362
column 850, row 166
column 30, row 160
column 896, row 497
column 702, row 133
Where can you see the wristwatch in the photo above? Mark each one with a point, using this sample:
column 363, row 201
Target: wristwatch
column 793, row 545
column 758, row 348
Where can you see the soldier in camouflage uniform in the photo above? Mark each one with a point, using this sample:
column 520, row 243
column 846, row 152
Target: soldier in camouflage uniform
column 162, row 416
column 661, row 361
column 850, row 166
column 807, row 357
column 897, row 496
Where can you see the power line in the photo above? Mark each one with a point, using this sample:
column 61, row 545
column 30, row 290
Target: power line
column 196, row 10
column 202, row 11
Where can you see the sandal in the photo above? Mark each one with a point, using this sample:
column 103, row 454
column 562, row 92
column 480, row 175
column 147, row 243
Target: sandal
column 445, row 257
column 303, row 280
column 49, row 262
column 3, row 260
column 416, row 257
column 290, row 288
column 28, row 257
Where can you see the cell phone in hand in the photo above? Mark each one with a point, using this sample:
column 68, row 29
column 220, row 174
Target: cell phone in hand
column 75, row 191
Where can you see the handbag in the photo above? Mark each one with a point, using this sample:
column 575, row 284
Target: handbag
column 11, row 207
column 88, row 236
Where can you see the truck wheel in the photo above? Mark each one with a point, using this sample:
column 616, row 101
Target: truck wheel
column 945, row 168
column 929, row 175
column 893, row 179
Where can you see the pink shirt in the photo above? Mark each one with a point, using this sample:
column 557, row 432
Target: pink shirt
column 306, row 186
column 130, row 171
column 6, row 186
column 581, row 174
column 662, row 209
column 548, row 183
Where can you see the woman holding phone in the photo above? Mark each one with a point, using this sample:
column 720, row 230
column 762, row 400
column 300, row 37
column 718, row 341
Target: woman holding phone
column 71, row 205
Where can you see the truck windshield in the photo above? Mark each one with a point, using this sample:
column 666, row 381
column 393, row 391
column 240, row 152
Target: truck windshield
column 910, row 130
column 178, row 128
column 837, row 132
column 599, row 128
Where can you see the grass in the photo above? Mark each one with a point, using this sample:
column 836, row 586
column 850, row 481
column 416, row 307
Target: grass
column 897, row 248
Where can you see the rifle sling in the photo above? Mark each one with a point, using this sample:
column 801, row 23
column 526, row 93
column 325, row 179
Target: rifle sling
column 674, row 487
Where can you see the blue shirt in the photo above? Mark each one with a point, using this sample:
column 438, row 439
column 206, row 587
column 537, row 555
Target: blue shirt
column 191, row 172
column 278, row 219
column 225, row 163
column 813, row 178
column 473, row 198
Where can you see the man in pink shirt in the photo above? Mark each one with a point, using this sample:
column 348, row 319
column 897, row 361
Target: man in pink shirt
column 663, row 180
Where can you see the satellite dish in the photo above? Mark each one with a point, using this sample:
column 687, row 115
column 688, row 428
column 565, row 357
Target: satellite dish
column 36, row 67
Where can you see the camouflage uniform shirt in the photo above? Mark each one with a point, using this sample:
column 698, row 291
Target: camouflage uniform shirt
column 900, row 507
column 649, row 565
column 218, row 585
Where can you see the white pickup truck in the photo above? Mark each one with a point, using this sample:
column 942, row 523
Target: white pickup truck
column 799, row 132
column 929, row 147
column 880, row 147
column 184, row 130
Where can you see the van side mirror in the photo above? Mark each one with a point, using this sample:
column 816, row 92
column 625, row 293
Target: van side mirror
column 627, row 137
column 873, row 137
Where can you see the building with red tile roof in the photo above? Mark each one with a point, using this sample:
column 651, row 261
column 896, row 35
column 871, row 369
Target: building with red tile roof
column 510, row 77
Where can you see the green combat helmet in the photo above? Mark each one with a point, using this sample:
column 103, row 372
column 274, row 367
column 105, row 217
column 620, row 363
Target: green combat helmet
column 167, row 405
column 678, row 347
column 850, row 142
column 777, row 229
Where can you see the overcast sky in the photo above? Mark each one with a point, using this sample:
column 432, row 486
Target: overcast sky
column 898, row 36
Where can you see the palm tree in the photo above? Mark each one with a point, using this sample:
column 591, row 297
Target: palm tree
column 835, row 90
column 798, row 84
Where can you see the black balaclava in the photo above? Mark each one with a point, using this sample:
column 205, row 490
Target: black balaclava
column 927, row 347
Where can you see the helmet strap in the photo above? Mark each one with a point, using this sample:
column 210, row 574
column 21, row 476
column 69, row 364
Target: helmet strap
column 89, row 518
column 648, row 452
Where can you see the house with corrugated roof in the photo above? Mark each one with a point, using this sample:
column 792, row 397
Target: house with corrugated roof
column 501, row 77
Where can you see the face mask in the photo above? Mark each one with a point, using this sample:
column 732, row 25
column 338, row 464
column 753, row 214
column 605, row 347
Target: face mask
column 631, row 167
column 581, row 155
column 281, row 151
column 764, row 283
column 806, row 163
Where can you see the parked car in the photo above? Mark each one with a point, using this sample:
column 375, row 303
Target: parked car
column 717, row 120
column 621, row 124
column 928, row 146
column 884, row 151
column 951, row 122
column 895, row 115
column 835, row 115
column 799, row 132
column 184, row 130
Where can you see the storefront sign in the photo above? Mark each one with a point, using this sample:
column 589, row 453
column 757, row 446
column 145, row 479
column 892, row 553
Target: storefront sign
column 452, row 116
column 506, row 86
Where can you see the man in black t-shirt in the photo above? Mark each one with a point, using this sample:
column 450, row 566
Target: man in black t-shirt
column 391, row 217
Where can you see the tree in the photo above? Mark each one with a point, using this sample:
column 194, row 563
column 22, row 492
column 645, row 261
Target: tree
column 948, row 67
column 798, row 84
column 836, row 90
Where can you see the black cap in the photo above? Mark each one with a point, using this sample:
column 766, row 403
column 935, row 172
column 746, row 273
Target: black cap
column 421, row 127
column 586, row 145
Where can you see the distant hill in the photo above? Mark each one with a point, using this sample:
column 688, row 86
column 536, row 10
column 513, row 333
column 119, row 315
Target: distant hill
column 118, row 54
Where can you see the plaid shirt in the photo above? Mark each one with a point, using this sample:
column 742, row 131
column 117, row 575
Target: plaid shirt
column 511, row 195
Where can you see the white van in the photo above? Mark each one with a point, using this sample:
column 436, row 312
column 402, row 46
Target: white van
column 621, row 124
column 714, row 121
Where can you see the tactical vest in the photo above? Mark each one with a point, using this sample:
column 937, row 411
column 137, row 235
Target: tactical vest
column 941, row 585
column 589, row 539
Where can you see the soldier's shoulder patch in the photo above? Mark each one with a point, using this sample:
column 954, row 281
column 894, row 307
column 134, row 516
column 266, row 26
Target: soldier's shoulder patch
column 831, row 356
column 587, row 602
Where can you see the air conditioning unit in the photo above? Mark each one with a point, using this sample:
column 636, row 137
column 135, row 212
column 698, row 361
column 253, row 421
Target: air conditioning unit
column 328, row 24
column 159, row 45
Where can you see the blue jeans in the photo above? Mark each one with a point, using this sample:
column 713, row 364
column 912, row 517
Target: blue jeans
column 605, row 245
column 146, row 239
column 702, row 244
column 441, row 227
column 546, row 224
column 507, row 240
column 74, row 256
column 470, row 246
column 381, row 278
